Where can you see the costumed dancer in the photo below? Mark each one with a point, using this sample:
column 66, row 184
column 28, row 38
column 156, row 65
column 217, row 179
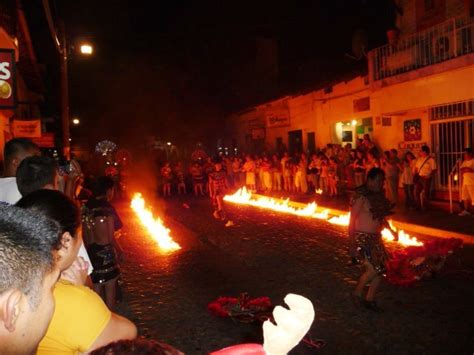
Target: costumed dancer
column 369, row 209
column 217, row 190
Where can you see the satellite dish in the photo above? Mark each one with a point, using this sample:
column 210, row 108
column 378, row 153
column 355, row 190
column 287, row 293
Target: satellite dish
column 359, row 44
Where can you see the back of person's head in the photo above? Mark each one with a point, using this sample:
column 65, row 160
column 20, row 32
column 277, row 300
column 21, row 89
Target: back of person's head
column 425, row 149
column 35, row 173
column 57, row 207
column 375, row 173
column 469, row 151
column 137, row 347
column 17, row 148
column 102, row 185
column 27, row 276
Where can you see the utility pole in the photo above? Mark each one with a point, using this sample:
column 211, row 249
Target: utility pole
column 63, row 54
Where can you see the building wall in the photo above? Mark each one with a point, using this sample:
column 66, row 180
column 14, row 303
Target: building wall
column 390, row 107
column 414, row 19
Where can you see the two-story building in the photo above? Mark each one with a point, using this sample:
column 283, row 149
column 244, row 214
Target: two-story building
column 418, row 90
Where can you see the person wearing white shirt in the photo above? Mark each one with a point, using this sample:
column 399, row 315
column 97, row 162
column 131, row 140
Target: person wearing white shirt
column 467, row 188
column 14, row 152
column 425, row 168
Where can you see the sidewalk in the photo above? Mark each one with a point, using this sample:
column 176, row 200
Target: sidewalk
column 435, row 222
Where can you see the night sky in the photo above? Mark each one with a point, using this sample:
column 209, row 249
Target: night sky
column 174, row 69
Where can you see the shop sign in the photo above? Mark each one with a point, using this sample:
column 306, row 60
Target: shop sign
column 27, row 129
column 45, row 141
column 7, row 79
column 411, row 146
column 277, row 117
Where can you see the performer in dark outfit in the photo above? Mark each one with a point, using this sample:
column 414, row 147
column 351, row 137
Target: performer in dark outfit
column 100, row 222
column 369, row 209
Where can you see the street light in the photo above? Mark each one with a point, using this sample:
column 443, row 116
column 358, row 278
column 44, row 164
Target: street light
column 59, row 38
column 86, row 49
column 76, row 121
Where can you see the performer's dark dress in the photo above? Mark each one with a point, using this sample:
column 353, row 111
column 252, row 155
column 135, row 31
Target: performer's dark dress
column 103, row 256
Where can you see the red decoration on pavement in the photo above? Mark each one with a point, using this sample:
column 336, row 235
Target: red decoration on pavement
column 411, row 264
column 242, row 309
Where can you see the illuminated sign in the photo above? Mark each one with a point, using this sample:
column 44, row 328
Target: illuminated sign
column 7, row 79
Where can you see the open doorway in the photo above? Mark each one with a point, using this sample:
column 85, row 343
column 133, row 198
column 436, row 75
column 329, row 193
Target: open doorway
column 295, row 141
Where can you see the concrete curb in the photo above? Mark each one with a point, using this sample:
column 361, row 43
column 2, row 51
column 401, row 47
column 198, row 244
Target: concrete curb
column 407, row 227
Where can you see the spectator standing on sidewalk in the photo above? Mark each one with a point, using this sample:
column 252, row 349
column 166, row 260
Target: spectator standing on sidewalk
column 407, row 166
column 467, row 189
column 359, row 168
column 277, row 170
column 266, row 169
column 425, row 168
column 391, row 168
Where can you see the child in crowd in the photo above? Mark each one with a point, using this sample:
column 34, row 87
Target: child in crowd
column 167, row 176
column 197, row 175
column 332, row 177
column 249, row 170
column 323, row 178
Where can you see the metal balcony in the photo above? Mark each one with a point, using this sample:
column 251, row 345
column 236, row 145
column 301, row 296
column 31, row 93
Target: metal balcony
column 445, row 41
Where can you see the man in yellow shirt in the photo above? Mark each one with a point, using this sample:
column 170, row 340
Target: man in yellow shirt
column 467, row 188
column 81, row 320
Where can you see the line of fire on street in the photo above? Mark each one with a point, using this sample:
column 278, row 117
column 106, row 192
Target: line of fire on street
column 154, row 226
column 244, row 197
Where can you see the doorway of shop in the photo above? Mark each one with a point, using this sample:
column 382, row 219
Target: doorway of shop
column 295, row 141
column 449, row 138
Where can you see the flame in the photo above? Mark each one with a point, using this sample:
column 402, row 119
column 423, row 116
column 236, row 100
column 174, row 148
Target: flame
column 319, row 191
column 403, row 238
column 155, row 226
column 245, row 197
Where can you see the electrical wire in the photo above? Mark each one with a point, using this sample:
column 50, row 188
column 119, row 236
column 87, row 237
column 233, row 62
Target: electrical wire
column 52, row 29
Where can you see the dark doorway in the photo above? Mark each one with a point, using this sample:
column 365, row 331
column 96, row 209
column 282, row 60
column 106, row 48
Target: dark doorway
column 295, row 141
column 311, row 142
column 280, row 147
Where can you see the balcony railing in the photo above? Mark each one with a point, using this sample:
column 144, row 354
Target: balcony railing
column 436, row 44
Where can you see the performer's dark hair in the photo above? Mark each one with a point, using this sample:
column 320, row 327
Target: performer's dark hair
column 374, row 173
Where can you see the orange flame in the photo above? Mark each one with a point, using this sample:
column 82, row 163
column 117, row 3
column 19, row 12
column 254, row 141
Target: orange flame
column 319, row 191
column 154, row 226
column 245, row 197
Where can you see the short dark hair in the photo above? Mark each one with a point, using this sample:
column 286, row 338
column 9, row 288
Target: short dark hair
column 425, row 149
column 34, row 173
column 25, row 251
column 136, row 347
column 468, row 151
column 102, row 185
column 16, row 146
column 57, row 207
column 374, row 173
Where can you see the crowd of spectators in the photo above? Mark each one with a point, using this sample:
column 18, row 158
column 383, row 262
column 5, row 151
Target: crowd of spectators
column 332, row 171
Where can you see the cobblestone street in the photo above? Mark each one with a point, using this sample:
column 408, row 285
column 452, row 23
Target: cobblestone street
column 270, row 254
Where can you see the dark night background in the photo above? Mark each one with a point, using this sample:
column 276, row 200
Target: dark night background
column 174, row 69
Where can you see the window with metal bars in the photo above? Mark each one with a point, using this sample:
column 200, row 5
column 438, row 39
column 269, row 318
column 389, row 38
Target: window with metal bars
column 452, row 110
